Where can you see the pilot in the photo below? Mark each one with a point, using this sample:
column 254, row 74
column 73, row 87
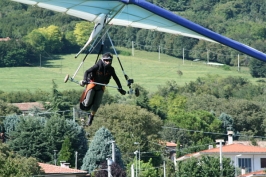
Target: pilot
column 101, row 72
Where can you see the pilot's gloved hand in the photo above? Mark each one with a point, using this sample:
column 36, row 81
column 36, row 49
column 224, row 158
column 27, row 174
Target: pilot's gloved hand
column 82, row 83
column 123, row 92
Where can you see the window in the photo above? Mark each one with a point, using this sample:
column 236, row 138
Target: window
column 245, row 163
column 263, row 163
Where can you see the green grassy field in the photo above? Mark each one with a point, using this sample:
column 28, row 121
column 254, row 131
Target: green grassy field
column 146, row 68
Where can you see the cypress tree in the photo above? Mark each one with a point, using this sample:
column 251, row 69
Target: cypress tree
column 100, row 148
column 66, row 152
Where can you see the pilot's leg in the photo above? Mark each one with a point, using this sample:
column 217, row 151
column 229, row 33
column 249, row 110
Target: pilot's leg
column 96, row 104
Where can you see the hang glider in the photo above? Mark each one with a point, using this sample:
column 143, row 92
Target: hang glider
column 140, row 14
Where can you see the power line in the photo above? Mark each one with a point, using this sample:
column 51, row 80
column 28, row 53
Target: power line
column 214, row 133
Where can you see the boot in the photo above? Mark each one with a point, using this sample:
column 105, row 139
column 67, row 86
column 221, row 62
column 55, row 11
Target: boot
column 90, row 119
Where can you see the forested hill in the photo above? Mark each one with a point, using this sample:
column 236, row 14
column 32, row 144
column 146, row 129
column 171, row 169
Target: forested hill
column 242, row 20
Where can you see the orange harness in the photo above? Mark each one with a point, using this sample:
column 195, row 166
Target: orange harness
column 88, row 87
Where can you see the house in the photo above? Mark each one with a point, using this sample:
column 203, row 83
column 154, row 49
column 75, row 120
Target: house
column 26, row 107
column 61, row 171
column 171, row 147
column 260, row 173
column 248, row 158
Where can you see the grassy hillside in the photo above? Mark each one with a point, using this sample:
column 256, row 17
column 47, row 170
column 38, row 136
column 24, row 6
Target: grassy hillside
column 147, row 69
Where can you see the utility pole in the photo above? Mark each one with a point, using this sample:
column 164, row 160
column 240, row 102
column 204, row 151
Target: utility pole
column 238, row 64
column 55, row 158
column 40, row 60
column 109, row 163
column 159, row 53
column 138, row 151
column 183, row 55
column 220, row 141
column 164, row 170
column 113, row 151
column 74, row 118
column 76, row 159
column 132, row 42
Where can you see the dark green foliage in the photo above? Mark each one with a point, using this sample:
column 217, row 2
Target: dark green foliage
column 39, row 137
column 143, row 99
column 26, row 96
column 15, row 53
column 28, row 138
column 58, row 101
column 66, row 153
column 78, row 139
column 169, row 167
column 6, row 109
column 205, row 166
column 247, row 115
column 100, row 148
column 12, row 164
column 116, row 170
column 257, row 68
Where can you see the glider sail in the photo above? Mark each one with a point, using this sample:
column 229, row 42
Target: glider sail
column 140, row 14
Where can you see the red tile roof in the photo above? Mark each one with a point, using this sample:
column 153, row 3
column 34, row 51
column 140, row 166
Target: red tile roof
column 5, row 39
column 48, row 168
column 170, row 144
column 27, row 106
column 237, row 148
column 229, row 149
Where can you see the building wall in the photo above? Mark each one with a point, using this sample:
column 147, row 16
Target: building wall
column 255, row 160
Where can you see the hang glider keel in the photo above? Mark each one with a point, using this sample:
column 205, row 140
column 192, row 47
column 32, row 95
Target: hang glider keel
column 100, row 22
column 141, row 14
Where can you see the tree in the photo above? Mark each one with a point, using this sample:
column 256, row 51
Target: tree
column 58, row 100
column 66, row 152
column 169, row 167
column 12, row 164
column 146, row 169
column 227, row 121
column 129, row 124
column 56, row 128
column 195, row 121
column 257, row 68
column 37, row 39
column 205, row 166
column 6, row 109
column 82, row 32
column 116, row 170
column 39, row 137
column 99, row 149
column 27, row 139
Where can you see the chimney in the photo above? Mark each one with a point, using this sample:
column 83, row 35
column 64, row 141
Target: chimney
column 230, row 137
column 210, row 146
column 218, row 141
column 64, row 164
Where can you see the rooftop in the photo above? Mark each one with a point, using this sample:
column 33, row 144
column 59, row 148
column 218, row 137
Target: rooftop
column 28, row 105
column 52, row 169
column 236, row 148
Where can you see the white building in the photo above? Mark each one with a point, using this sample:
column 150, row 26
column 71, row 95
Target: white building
column 248, row 158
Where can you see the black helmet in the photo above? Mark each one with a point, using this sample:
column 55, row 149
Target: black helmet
column 107, row 56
